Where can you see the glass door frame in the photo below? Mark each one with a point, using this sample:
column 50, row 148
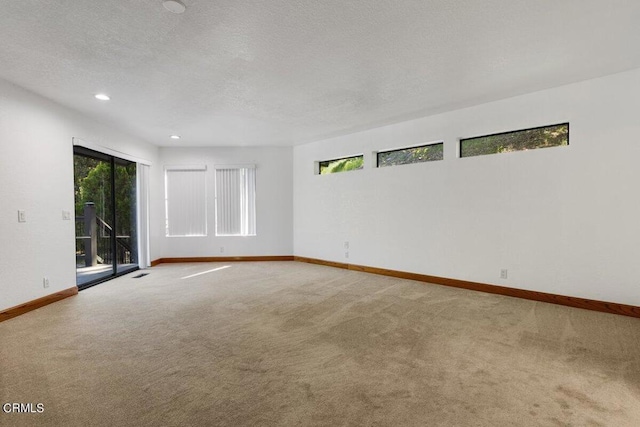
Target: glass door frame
column 113, row 161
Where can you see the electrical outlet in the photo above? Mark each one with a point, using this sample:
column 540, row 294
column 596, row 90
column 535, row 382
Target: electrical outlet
column 66, row 215
column 22, row 216
column 346, row 254
column 45, row 282
column 221, row 249
column 346, row 245
column 503, row 273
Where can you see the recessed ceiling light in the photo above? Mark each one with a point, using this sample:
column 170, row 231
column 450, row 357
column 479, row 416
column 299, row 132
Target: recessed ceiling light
column 175, row 136
column 174, row 6
column 102, row 97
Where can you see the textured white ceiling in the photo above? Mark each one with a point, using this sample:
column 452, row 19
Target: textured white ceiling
column 281, row 72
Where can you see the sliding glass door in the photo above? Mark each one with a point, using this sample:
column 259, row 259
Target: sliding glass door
column 105, row 210
column 126, row 242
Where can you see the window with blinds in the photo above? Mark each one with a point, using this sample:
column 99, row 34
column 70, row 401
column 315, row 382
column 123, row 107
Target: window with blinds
column 185, row 200
column 236, row 200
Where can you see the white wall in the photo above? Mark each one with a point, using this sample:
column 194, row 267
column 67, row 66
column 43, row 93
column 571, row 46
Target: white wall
column 563, row 220
column 273, row 202
column 36, row 175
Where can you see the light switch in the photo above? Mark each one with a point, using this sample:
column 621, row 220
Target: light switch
column 22, row 217
column 66, row 215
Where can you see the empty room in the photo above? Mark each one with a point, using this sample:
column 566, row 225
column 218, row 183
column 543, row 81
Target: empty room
column 320, row 213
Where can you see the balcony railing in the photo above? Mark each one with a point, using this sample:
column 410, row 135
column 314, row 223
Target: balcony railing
column 93, row 241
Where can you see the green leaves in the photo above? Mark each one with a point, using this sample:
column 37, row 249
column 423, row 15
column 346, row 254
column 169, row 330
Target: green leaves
column 425, row 153
column 528, row 139
column 341, row 165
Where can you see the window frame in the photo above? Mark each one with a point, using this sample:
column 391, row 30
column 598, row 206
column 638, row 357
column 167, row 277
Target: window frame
column 409, row 147
column 318, row 164
column 253, row 203
column 461, row 140
column 199, row 168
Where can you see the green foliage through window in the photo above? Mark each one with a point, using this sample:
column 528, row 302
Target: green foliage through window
column 405, row 156
column 528, row 139
column 92, row 182
column 341, row 165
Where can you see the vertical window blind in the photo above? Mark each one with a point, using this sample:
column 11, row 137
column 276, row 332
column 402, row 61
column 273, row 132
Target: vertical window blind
column 144, row 259
column 186, row 200
column 236, row 200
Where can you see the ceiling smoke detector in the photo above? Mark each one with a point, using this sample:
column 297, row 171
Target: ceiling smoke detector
column 174, row 6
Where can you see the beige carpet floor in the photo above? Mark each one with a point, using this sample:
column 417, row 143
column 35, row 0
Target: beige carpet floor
column 287, row 343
